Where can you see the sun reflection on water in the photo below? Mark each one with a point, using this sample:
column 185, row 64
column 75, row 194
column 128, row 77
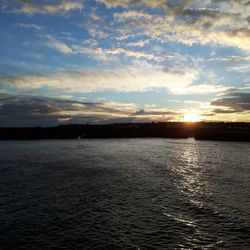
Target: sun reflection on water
column 192, row 185
column 190, row 170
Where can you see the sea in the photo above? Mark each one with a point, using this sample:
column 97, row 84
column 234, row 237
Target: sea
column 124, row 194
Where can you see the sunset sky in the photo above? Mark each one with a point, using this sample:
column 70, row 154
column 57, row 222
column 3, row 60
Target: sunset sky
column 108, row 61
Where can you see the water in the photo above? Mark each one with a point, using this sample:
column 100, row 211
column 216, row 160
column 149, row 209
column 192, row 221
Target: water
column 124, row 194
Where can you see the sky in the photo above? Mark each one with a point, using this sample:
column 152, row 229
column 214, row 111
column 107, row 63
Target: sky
column 106, row 61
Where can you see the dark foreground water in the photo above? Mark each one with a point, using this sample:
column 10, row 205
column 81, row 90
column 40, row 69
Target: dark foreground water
column 124, row 194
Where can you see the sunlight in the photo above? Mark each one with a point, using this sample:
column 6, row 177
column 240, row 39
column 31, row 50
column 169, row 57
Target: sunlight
column 191, row 117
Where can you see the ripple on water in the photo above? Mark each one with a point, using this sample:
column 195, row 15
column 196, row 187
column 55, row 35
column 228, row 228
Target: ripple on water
column 124, row 194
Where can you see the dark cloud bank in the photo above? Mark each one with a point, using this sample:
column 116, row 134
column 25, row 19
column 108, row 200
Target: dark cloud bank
column 21, row 110
column 234, row 102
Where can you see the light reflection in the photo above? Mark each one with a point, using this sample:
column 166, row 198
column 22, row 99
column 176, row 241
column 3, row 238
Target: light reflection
column 191, row 184
column 190, row 170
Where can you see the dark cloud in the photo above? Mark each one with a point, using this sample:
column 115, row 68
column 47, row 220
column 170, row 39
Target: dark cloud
column 22, row 110
column 44, row 111
column 160, row 112
column 42, row 105
column 224, row 111
column 234, row 102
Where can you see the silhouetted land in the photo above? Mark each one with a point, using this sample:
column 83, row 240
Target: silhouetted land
column 200, row 131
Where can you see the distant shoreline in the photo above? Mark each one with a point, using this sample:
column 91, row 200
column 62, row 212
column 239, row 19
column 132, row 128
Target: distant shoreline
column 220, row 131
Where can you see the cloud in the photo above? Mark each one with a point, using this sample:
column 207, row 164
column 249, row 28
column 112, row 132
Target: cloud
column 133, row 53
column 18, row 110
column 139, row 76
column 203, row 89
column 239, row 7
column 230, row 59
column 28, row 7
column 231, row 107
column 141, row 43
column 188, row 21
column 161, row 112
column 98, row 53
column 58, row 45
column 128, row 3
column 21, row 110
column 28, row 26
column 233, row 102
column 133, row 14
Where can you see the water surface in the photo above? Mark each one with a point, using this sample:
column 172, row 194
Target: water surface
column 124, row 194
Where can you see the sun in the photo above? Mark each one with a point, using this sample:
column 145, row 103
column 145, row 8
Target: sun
column 191, row 117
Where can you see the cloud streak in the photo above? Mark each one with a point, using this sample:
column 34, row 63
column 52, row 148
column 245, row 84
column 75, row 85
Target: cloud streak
column 28, row 26
column 61, row 47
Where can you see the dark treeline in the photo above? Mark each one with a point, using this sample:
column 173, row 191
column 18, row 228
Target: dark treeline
column 200, row 131
column 237, row 131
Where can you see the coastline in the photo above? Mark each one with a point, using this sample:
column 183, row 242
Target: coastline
column 220, row 131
